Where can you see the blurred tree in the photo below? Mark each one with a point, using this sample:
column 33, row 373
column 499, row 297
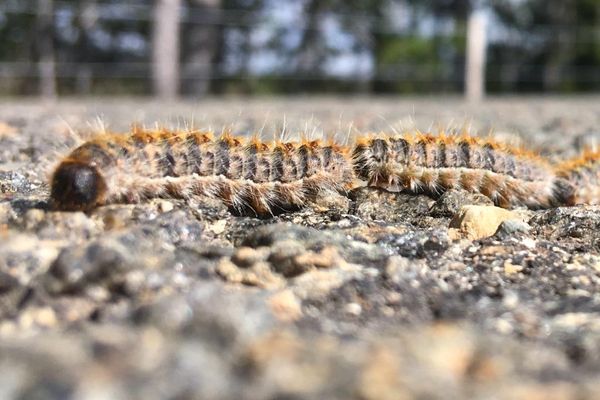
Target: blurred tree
column 45, row 45
column 448, row 36
column 165, row 48
column 18, row 44
column 322, row 31
column 84, row 52
column 202, row 27
column 562, row 47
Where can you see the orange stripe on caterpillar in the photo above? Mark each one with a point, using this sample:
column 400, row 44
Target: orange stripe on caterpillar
column 433, row 164
column 145, row 164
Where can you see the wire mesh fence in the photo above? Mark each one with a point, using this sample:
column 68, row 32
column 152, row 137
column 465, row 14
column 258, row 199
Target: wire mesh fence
column 103, row 46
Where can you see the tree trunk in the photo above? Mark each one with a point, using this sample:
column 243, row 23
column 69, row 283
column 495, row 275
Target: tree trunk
column 46, row 63
column 88, row 16
column 562, row 46
column 201, row 40
column 475, row 59
column 165, row 49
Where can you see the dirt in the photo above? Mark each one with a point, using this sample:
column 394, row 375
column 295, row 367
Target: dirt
column 373, row 295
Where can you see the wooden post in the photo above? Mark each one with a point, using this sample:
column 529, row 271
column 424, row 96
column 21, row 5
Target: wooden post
column 46, row 63
column 165, row 49
column 475, row 57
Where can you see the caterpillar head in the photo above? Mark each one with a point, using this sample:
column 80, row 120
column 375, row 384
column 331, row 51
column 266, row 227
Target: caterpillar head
column 77, row 186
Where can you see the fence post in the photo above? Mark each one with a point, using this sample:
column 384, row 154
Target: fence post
column 165, row 48
column 475, row 57
column 46, row 62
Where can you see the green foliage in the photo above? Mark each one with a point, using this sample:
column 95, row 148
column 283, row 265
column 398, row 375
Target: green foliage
column 405, row 64
column 409, row 50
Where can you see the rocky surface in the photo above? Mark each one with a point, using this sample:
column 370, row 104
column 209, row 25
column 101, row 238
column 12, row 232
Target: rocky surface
column 375, row 295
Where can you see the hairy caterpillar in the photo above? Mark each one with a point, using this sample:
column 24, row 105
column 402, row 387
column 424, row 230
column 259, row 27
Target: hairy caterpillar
column 129, row 168
column 250, row 173
column 432, row 164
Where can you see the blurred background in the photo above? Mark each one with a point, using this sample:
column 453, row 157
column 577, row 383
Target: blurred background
column 196, row 48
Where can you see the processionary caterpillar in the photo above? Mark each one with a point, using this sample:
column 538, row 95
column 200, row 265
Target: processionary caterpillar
column 129, row 168
column 249, row 173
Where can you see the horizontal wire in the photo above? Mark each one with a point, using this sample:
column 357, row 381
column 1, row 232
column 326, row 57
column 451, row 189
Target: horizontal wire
column 31, row 9
column 231, row 18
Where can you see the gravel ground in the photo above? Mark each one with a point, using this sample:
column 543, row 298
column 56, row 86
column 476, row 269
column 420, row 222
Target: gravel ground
column 372, row 296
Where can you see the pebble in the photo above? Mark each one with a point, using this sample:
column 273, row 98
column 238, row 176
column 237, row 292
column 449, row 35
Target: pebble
column 510, row 227
column 76, row 267
column 511, row 269
column 218, row 227
column 165, row 206
column 478, row 222
column 353, row 309
column 451, row 201
column 286, row 306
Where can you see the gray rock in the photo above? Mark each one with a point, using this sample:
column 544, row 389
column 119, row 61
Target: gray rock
column 511, row 227
column 452, row 201
column 77, row 267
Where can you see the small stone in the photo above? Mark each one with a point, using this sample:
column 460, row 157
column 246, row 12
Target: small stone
column 318, row 283
column 396, row 265
column 218, row 227
column 13, row 182
column 376, row 204
column 454, row 234
column 165, row 206
column 452, row 201
column 529, row 243
column 33, row 217
column 75, row 267
column 270, row 235
column 7, row 130
column 572, row 320
column 25, row 257
column 43, row 317
column 286, row 306
column 382, row 377
column 503, row 326
column 510, row 227
column 7, row 282
column 510, row 300
column 247, row 256
column 329, row 201
column 46, row 317
column 115, row 218
column 581, row 280
column 418, row 243
column 511, row 269
column 259, row 275
column 353, row 309
column 326, row 258
column 283, row 258
column 6, row 213
column 478, row 222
